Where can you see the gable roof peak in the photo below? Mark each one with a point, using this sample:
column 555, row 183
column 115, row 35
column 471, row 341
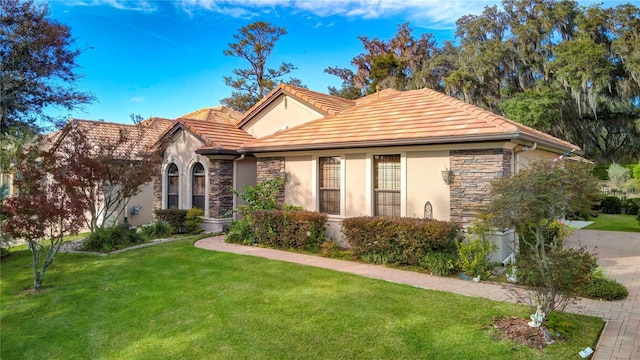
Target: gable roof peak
column 324, row 104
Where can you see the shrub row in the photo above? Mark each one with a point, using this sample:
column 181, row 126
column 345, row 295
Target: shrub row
column 175, row 218
column 614, row 205
column 302, row 230
column 181, row 221
column 396, row 240
column 112, row 238
column 606, row 289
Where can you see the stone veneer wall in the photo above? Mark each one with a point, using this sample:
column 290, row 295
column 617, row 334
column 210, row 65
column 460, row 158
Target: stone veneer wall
column 270, row 168
column 473, row 170
column 157, row 190
column 220, row 184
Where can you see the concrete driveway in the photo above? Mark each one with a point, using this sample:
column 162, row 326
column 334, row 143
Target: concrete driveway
column 619, row 257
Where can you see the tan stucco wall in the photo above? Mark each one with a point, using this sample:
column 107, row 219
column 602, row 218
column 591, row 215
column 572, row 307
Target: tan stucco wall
column 524, row 158
column 145, row 202
column 356, row 180
column 283, row 112
column 299, row 182
column 182, row 152
column 424, row 183
column 422, row 176
column 244, row 174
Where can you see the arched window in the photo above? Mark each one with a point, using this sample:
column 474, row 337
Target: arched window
column 173, row 186
column 197, row 186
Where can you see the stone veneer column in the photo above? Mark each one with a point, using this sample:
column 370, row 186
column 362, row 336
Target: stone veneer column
column 271, row 168
column 220, row 184
column 157, row 190
column 473, row 171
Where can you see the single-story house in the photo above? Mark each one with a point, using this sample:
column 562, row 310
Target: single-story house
column 413, row 153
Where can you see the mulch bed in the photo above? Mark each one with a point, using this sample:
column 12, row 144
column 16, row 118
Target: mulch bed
column 518, row 330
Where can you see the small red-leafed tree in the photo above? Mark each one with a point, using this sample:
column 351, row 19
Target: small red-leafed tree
column 531, row 202
column 113, row 162
column 46, row 207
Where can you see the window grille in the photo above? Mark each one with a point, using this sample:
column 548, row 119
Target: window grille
column 197, row 186
column 329, row 185
column 173, row 182
column 386, row 185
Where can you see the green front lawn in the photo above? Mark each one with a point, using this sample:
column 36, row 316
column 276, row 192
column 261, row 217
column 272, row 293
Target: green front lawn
column 174, row 301
column 610, row 222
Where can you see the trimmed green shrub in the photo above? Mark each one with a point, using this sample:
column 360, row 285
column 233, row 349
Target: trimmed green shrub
column 605, row 289
column 112, row 238
column 473, row 257
column 440, row 263
column 193, row 220
column 302, row 230
column 610, row 205
column 240, row 232
column 397, row 240
column 175, row 217
column 157, row 230
column 632, row 205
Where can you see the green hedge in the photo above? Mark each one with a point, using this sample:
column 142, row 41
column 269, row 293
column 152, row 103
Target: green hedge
column 395, row 240
column 610, row 205
column 112, row 238
column 302, row 230
column 606, row 289
column 175, row 217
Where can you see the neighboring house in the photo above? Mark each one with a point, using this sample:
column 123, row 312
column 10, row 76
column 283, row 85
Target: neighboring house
column 414, row 153
column 138, row 210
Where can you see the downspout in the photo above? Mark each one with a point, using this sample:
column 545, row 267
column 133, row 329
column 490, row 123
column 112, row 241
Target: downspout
column 235, row 178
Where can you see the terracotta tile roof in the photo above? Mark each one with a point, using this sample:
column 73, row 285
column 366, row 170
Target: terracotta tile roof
column 218, row 113
column 376, row 96
column 139, row 137
column 218, row 135
column 323, row 103
column 398, row 118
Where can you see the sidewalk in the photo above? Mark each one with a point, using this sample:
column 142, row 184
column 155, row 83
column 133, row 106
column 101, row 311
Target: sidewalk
column 620, row 338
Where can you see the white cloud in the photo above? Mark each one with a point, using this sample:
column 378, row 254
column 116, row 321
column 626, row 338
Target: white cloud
column 137, row 99
column 140, row 5
column 436, row 13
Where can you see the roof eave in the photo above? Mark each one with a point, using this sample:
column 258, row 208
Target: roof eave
column 214, row 151
column 400, row 142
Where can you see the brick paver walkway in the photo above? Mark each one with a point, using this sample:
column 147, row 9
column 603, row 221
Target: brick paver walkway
column 619, row 255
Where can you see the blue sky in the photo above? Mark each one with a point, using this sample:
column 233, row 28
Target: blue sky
column 164, row 58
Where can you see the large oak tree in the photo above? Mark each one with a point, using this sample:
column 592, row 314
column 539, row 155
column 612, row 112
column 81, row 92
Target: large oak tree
column 571, row 71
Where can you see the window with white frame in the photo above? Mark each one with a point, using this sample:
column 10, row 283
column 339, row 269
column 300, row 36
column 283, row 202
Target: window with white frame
column 173, row 186
column 329, row 184
column 386, row 185
column 197, row 186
